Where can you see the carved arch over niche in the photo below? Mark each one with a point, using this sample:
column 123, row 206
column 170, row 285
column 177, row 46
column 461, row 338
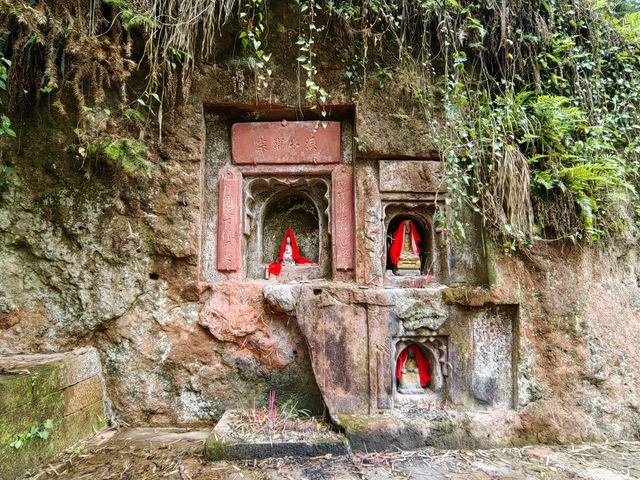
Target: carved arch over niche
column 256, row 188
column 261, row 195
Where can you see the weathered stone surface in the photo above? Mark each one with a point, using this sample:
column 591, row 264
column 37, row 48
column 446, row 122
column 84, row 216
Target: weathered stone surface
column 493, row 357
column 21, row 419
column 380, row 433
column 343, row 223
column 286, row 142
column 334, row 331
column 229, row 220
column 223, row 444
column 83, row 394
column 389, row 126
column 411, row 428
column 79, row 365
column 75, row 411
column 26, row 385
column 370, row 243
column 282, row 298
column 219, row 449
column 418, row 313
column 55, row 371
column 414, row 176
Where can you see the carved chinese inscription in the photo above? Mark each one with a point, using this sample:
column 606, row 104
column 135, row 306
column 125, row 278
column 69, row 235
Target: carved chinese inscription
column 285, row 143
column 229, row 220
column 343, row 218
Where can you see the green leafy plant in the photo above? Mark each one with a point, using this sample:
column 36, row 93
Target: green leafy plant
column 252, row 39
column 291, row 410
column 5, row 122
column 125, row 153
column 382, row 74
column 537, row 124
column 35, row 432
column 315, row 94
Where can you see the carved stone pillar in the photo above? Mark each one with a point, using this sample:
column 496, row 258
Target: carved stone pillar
column 343, row 218
column 369, row 226
column 230, row 220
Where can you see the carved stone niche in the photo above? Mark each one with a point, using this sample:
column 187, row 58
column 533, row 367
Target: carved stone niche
column 434, row 349
column 274, row 204
column 431, row 241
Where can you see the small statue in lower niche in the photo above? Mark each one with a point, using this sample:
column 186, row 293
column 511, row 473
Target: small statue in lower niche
column 412, row 371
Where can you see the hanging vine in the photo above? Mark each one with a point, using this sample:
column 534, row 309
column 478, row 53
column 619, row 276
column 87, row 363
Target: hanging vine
column 537, row 102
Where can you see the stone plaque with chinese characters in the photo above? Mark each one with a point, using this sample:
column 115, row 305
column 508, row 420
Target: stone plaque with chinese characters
column 343, row 217
column 229, row 220
column 264, row 143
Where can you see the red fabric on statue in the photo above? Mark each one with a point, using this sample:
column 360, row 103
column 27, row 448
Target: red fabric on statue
column 398, row 242
column 423, row 364
column 276, row 267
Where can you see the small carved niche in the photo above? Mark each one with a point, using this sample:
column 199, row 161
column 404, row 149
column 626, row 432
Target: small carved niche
column 296, row 211
column 433, row 250
column 407, row 388
column 274, row 204
column 425, row 243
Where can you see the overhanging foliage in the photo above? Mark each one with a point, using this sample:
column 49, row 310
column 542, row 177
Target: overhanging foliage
column 540, row 98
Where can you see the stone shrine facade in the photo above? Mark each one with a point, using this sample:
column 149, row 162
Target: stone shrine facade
column 356, row 310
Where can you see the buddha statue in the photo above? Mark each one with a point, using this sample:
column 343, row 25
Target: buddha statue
column 287, row 257
column 410, row 378
column 405, row 249
column 412, row 370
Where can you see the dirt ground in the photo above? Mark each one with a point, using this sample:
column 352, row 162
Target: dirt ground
column 141, row 454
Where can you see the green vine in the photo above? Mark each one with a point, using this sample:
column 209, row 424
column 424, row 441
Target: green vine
column 534, row 106
column 540, row 101
column 252, row 37
column 5, row 125
column 315, row 94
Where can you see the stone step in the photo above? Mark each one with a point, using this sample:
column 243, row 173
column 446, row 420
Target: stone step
column 225, row 444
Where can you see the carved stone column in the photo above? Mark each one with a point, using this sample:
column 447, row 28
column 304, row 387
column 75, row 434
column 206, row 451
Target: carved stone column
column 230, row 220
column 343, row 218
column 369, row 226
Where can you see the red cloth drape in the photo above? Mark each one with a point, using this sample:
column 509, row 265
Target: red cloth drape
column 423, row 364
column 398, row 242
column 276, row 267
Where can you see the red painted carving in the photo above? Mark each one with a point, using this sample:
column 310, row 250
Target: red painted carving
column 229, row 220
column 285, row 142
column 343, row 218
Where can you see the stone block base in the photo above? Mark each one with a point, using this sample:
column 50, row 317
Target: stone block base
column 60, row 394
column 217, row 448
column 381, row 433
column 408, row 428
column 223, row 445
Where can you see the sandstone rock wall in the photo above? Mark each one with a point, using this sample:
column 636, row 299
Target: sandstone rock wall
column 91, row 258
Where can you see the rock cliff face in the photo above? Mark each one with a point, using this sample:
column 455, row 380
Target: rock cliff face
column 90, row 258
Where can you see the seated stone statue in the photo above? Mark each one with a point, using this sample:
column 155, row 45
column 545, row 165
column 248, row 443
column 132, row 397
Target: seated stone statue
column 405, row 248
column 289, row 254
column 412, row 370
column 287, row 258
